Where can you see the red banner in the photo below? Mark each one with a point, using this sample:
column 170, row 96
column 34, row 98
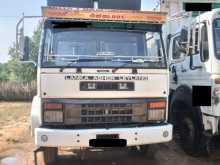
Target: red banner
column 104, row 15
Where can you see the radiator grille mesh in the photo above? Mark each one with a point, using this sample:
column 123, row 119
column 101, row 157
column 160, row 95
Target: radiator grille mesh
column 104, row 113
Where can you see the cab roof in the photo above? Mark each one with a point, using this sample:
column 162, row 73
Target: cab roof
column 209, row 15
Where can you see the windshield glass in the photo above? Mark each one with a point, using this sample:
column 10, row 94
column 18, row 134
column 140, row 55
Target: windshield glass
column 101, row 48
column 217, row 37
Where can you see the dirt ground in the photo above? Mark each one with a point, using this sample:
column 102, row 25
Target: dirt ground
column 16, row 146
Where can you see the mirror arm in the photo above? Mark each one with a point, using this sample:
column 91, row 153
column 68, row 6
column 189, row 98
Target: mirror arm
column 29, row 62
column 17, row 28
column 17, row 32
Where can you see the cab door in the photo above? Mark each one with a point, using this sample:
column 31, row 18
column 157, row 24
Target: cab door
column 176, row 58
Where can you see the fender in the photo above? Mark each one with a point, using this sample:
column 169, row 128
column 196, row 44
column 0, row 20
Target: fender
column 36, row 120
column 177, row 95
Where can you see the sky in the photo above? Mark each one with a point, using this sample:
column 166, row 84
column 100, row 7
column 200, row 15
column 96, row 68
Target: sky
column 11, row 11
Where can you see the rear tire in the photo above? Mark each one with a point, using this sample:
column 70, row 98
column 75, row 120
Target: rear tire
column 50, row 155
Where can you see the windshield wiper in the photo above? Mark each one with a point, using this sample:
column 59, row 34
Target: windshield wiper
column 82, row 60
column 133, row 60
column 136, row 61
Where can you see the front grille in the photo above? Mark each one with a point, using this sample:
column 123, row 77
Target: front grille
column 104, row 113
column 106, row 119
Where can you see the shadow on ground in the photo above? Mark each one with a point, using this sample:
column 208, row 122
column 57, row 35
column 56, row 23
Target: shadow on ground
column 107, row 157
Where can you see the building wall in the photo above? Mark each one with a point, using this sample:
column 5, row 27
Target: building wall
column 171, row 6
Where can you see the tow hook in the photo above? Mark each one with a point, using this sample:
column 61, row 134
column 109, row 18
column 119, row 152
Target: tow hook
column 36, row 151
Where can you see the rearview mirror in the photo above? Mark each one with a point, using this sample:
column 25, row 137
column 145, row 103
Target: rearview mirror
column 24, row 48
column 177, row 50
column 183, row 40
column 184, row 35
column 204, row 45
column 23, row 42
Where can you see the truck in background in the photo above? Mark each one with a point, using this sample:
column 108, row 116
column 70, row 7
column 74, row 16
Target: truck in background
column 102, row 79
column 193, row 47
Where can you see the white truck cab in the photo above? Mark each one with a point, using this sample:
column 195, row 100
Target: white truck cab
column 193, row 49
column 103, row 80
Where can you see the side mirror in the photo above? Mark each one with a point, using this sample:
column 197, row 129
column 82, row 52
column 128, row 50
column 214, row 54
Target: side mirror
column 204, row 45
column 184, row 35
column 204, row 49
column 23, row 42
column 24, row 48
column 183, row 40
column 181, row 47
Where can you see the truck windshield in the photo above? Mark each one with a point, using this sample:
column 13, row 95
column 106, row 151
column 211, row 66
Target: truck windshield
column 217, row 37
column 101, row 48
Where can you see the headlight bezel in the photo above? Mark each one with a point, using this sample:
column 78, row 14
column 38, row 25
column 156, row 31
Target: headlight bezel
column 53, row 113
column 156, row 111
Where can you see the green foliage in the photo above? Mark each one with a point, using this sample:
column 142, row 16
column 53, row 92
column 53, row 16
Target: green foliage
column 14, row 70
column 4, row 72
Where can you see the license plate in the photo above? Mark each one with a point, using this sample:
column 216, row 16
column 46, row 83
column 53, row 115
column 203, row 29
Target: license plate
column 108, row 143
column 107, row 136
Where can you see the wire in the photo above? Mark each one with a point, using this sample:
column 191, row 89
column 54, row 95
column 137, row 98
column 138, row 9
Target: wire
column 9, row 16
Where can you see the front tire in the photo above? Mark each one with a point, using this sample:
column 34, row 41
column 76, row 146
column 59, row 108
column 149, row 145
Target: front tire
column 192, row 141
column 50, row 155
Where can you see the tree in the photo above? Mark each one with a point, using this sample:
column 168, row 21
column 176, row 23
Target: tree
column 4, row 72
column 25, row 72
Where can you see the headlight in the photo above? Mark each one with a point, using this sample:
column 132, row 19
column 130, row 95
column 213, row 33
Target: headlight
column 157, row 111
column 53, row 116
column 156, row 114
column 53, row 113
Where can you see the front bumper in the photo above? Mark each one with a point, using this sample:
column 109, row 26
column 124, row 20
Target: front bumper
column 81, row 137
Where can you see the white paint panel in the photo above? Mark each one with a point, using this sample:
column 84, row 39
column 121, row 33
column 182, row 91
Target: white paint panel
column 80, row 138
column 55, row 86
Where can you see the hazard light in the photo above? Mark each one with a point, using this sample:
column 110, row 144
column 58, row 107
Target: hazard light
column 104, row 15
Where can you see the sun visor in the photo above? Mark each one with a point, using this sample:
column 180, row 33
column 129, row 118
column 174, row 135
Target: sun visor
column 103, row 4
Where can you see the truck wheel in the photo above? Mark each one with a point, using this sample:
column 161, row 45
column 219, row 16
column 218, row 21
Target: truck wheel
column 139, row 150
column 50, row 155
column 190, row 135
